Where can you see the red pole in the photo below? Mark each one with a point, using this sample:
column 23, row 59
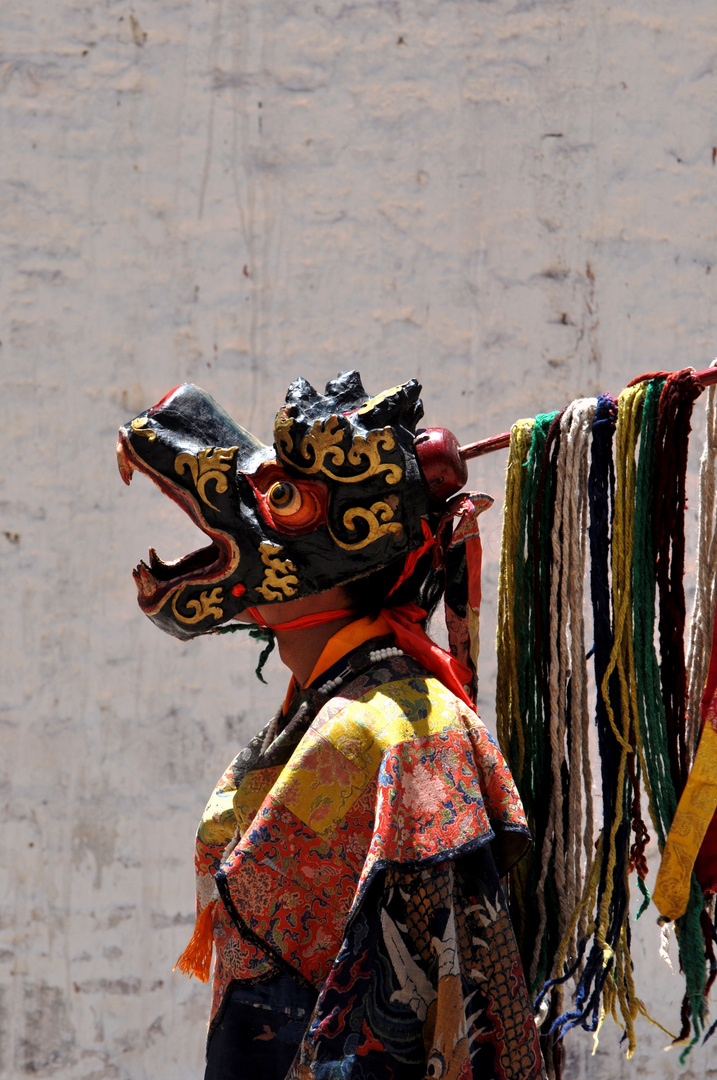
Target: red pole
column 485, row 446
column 708, row 377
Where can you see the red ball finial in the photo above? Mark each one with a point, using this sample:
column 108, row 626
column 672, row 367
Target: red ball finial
column 444, row 470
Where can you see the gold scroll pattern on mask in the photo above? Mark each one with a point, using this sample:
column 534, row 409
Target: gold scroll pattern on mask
column 378, row 520
column 280, row 578
column 139, row 426
column 207, row 604
column 371, row 404
column 322, row 450
column 210, row 464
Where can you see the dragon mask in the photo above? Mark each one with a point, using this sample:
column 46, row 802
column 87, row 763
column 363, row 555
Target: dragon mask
column 340, row 493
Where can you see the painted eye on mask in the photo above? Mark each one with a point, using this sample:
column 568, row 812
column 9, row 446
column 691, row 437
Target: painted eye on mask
column 284, row 499
column 289, row 506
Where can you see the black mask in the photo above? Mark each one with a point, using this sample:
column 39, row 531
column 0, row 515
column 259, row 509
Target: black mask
column 340, row 494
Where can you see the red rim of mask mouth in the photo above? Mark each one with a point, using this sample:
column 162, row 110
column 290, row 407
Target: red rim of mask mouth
column 159, row 580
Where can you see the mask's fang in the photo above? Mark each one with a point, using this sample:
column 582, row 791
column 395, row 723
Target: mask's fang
column 154, row 560
column 125, row 466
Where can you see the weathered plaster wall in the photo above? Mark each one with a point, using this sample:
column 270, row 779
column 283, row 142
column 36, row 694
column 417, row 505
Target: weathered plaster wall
column 512, row 201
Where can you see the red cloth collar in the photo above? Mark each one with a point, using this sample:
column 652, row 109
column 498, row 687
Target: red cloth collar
column 304, row 621
column 405, row 622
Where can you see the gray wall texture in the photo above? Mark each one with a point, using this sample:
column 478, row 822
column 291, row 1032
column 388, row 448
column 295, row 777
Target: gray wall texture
column 512, row 201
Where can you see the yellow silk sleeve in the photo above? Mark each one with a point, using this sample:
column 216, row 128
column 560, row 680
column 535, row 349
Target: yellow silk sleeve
column 695, row 811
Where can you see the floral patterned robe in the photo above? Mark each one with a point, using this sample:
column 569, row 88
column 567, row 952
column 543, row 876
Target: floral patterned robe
column 354, row 843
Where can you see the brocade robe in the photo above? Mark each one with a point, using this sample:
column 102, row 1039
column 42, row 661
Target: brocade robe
column 358, row 846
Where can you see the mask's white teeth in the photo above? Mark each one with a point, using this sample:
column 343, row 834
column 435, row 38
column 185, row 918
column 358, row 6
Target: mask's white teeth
column 144, row 579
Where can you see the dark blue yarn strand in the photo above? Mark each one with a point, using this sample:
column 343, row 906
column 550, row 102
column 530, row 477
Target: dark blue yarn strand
column 601, row 495
column 559, row 980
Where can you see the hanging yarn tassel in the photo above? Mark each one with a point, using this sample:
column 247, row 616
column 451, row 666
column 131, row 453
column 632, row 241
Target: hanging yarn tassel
column 677, row 399
column 601, row 500
column 197, row 957
column 522, row 691
column 673, row 429
column 568, row 705
column 571, row 903
column 695, row 824
column 508, row 713
column 546, row 878
column 565, row 469
column 530, row 622
column 509, row 716
column 705, row 602
column 606, row 985
column 651, row 711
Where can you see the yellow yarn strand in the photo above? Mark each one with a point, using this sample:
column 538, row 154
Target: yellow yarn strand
column 585, row 905
column 509, row 724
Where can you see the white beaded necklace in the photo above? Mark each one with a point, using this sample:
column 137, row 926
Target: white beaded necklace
column 374, row 657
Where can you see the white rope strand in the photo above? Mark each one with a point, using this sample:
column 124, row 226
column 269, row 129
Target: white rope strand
column 566, row 841
column 703, row 609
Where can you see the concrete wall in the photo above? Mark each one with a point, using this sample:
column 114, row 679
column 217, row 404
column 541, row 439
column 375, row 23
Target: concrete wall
column 512, row 201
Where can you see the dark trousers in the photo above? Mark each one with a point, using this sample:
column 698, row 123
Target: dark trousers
column 260, row 1031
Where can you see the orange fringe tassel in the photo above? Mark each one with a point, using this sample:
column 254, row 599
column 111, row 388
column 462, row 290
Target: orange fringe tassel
column 197, row 957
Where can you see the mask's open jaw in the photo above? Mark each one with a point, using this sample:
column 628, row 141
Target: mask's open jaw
column 157, row 580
